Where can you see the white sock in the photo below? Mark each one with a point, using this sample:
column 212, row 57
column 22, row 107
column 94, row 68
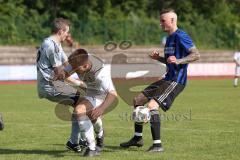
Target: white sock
column 157, row 141
column 86, row 126
column 138, row 134
column 82, row 136
column 98, row 127
column 235, row 81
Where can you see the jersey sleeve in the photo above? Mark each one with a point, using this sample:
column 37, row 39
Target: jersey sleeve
column 54, row 58
column 64, row 57
column 107, row 84
column 235, row 57
column 186, row 42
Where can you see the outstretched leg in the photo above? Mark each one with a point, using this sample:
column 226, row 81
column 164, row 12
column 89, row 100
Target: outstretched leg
column 86, row 126
column 137, row 140
column 155, row 126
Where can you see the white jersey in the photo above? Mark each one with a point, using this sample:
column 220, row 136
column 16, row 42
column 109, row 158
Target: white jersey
column 98, row 79
column 237, row 57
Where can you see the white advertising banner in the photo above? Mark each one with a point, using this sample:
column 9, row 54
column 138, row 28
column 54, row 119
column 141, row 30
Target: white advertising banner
column 29, row 72
column 21, row 72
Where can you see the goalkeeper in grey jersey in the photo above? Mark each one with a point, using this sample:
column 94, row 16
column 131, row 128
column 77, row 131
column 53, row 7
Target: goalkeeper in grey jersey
column 51, row 59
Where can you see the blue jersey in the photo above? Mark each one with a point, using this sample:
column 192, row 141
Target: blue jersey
column 178, row 45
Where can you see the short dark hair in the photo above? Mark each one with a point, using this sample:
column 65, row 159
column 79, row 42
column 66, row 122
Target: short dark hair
column 78, row 58
column 167, row 10
column 59, row 23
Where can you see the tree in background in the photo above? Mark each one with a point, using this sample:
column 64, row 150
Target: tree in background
column 212, row 24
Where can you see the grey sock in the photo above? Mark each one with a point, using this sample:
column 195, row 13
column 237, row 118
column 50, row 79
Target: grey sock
column 75, row 131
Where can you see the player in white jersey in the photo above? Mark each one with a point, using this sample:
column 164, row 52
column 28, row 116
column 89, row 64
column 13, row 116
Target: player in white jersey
column 237, row 69
column 98, row 97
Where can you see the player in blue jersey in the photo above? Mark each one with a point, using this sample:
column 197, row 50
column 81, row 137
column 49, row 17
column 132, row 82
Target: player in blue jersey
column 179, row 50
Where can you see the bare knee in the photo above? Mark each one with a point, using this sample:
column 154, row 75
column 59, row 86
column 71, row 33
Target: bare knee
column 153, row 105
column 83, row 107
column 80, row 110
column 140, row 100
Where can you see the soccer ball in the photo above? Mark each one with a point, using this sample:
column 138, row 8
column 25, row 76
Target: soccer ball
column 141, row 114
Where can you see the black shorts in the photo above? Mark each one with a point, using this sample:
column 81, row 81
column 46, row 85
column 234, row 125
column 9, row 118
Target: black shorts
column 75, row 99
column 163, row 92
column 71, row 99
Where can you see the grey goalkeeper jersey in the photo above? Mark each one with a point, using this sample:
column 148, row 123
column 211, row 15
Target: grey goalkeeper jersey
column 50, row 55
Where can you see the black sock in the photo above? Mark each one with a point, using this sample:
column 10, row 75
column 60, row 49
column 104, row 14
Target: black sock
column 155, row 127
column 138, row 129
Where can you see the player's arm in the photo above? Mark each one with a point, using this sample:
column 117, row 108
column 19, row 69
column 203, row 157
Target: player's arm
column 235, row 61
column 162, row 59
column 64, row 72
column 111, row 99
column 108, row 104
column 235, row 58
column 55, row 63
column 59, row 73
column 76, row 83
column 193, row 56
column 55, row 60
column 156, row 56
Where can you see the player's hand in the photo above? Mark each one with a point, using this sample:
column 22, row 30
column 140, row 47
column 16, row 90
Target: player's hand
column 172, row 59
column 69, row 40
column 154, row 55
column 96, row 112
column 83, row 84
column 79, row 85
column 59, row 74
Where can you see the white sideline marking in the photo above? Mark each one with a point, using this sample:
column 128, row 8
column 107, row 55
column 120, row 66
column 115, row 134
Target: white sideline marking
column 136, row 74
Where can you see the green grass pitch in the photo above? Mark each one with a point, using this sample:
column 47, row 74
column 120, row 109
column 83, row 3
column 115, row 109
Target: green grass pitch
column 202, row 124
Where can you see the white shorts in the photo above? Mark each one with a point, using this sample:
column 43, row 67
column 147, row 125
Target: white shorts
column 237, row 71
column 95, row 100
